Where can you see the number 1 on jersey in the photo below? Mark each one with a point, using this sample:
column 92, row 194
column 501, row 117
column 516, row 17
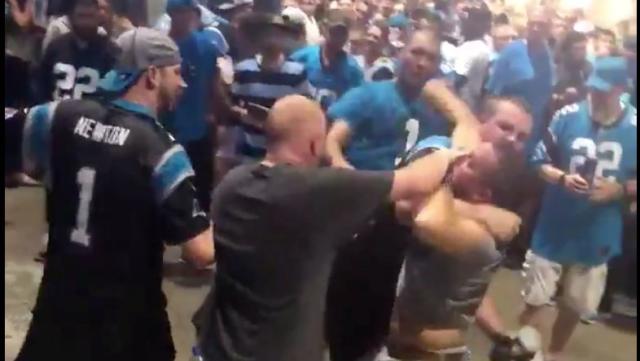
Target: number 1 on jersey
column 86, row 178
column 412, row 127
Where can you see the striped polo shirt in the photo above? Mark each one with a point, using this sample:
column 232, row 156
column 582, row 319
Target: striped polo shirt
column 253, row 84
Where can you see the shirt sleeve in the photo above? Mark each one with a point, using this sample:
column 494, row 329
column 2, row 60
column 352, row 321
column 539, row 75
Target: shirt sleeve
column 357, row 75
column 299, row 55
column 340, row 201
column 512, row 66
column 36, row 138
column 304, row 87
column 43, row 83
column 545, row 150
column 351, row 107
column 182, row 217
column 218, row 40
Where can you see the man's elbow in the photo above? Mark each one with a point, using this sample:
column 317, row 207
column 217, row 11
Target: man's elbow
column 199, row 260
column 200, row 251
column 430, row 230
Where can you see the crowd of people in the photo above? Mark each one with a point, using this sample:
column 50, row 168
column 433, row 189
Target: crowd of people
column 353, row 172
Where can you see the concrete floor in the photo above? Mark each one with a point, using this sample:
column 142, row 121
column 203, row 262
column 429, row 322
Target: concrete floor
column 24, row 228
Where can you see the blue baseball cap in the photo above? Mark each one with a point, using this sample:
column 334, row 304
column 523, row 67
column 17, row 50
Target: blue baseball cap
column 608, row 73
column 140, row 48
column 398, row 21
column 177, row 4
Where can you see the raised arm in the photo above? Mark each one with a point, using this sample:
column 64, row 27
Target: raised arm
column 465, row 134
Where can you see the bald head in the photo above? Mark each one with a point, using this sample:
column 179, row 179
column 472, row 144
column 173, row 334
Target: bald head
column 538, row 24
column 296, row 126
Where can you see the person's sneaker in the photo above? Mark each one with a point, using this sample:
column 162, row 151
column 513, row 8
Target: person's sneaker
column 19, row 180
column 624, row 306
column 42, row 255
column 595, row 318
column 513, row 263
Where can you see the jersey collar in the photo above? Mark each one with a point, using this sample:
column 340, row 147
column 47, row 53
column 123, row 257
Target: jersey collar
column 134, row 108
column 340, row 58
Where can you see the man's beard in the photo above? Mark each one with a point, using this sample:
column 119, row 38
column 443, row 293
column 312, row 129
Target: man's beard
column 166, row 103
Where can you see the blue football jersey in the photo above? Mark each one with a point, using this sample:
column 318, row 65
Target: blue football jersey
column 570, row 228
column 384, row 124
column 199, row 54
column 330, row 83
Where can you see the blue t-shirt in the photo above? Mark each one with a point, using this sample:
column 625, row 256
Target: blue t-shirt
column 528, row 74
column 384, row 124
column 332, row 82
column 570, row 228
column 199, row 54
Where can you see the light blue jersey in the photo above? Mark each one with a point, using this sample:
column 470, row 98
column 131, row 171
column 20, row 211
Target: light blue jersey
column 570, row 228
column 384, row 124
column 330, row 83
column 427, row 145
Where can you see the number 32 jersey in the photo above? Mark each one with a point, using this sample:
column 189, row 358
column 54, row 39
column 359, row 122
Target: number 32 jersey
column 70, row 69
column 571, row 228
column 120, row 187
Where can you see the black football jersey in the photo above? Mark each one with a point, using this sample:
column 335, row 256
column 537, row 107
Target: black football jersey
column 120, row 187
column 70, row 69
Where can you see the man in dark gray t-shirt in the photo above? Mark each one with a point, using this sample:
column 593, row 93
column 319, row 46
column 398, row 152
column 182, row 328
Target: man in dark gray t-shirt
column 278, row 225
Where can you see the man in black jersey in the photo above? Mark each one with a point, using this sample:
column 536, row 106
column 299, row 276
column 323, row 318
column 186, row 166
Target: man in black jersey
column 120, row 188
column 74, row 63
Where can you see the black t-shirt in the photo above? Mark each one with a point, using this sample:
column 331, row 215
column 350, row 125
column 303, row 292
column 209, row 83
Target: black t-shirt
column 276, row 231
column 119, row 188
column 70, row 70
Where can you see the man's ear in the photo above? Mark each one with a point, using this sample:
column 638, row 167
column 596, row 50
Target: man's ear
column 153, row 77
column 486, row 195
column 481, row 196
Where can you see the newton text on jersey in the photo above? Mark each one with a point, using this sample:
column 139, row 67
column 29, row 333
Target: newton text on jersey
column 98, row 132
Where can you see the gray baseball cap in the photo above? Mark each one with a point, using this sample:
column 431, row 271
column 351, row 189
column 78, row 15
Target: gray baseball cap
column 140, row 48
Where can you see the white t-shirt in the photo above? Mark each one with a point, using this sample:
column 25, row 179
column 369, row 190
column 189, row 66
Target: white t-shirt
column 448, row 53
column 472, row 61
column 60, row 26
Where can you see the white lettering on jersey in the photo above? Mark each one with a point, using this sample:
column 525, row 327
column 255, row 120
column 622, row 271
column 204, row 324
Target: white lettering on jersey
column 74, row 83
column 608, row 154
column 98, row 132
column 84, row 127
column 567, row 109
column 412, row 127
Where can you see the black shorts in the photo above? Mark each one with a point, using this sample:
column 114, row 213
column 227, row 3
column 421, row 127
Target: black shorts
column 362, row 288
column 101, row 338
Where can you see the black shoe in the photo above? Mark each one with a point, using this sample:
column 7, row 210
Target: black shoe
column 512, row 263
column 41, row 257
